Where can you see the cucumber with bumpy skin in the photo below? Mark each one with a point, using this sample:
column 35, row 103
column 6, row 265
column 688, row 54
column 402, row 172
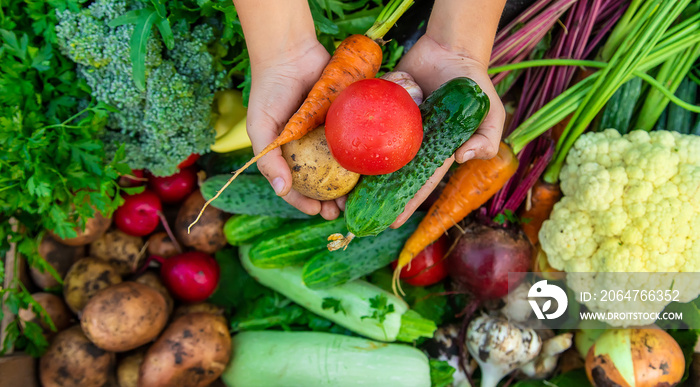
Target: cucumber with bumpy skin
column 331, row 268
column 250, row 195
column 293, row 244
column 240, row 229
column 451, row 115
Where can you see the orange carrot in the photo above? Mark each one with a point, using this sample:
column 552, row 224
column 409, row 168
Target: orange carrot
column 538, row 207
column 357, row 57
column 472, row 184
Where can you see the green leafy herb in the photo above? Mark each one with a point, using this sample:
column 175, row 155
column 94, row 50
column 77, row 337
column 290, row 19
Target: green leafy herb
column 333, row 303
column 381, row 306
column 441, row 373
column 508, row 216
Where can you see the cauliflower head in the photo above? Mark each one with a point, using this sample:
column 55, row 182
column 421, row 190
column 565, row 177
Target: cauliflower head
column 631, row 204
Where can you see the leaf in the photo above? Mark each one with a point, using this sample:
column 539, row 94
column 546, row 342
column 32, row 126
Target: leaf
column 333, row 303
column 166, row 33
column 441, row 373
column 576, row 378
column 381, row 308
column 139, row 46
column 321, row 22
column 160, row 8
column 131, row 17
column 686, row 339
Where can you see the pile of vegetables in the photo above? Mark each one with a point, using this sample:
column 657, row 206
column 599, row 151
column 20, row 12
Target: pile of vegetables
column 159, row 255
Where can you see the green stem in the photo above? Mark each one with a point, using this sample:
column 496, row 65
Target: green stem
column 415, row 326
column 387, row 18
column 589, row 63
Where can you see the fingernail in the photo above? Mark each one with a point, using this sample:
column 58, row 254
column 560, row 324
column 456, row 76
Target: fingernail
column 278, row 185
column 468, row 155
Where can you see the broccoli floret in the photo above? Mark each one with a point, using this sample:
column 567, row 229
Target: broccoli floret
column 163, row 124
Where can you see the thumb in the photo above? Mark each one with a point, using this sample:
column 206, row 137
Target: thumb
column 263, row 131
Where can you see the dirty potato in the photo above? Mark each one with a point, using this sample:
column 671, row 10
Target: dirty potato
column 199, row 307
column 85, row 278
column 94, row 228
column 161, row 245
column 150, row 278
column 192, row 352
column 315, row 173
column 123, row 251
column 128, row 369
column 73, row 361
column 55, row 308
column 207, row 235
column 124, row 316
column 61, row 257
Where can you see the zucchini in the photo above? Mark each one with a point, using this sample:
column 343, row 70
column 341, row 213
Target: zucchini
column 358, row 305
column 215, row 163
column 240, row 229
column 280, row 359
column 450, row 116
column 295, row 244
column 365, row 255
column 249, row 195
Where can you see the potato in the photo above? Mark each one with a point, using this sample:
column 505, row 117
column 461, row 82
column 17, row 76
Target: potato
column 55, row 308
column 199, row 307
column 207, row 235
column 128, row 369
column 315, row 173
column 85, row 278
column 152, row 279
column 72, row 360
column 94, row 228
column 59, row 256
column 122, row 250
column 161, row 245
column 192, row 352
column 125, row 316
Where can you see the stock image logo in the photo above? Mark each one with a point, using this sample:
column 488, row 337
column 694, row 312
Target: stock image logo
column 542, row 289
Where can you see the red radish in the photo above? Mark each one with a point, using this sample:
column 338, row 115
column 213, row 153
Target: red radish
column 190, row 160
column 191, row 276
column 374, row 127
column 428, row 267
column 139, row 215
column 174, row 188
column 483, row 257
column 134, row 180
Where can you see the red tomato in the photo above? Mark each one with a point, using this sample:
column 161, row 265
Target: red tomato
column 139, row 215
column 428, row 267
column 190, row 160
column 374, row 127
column 174, row 188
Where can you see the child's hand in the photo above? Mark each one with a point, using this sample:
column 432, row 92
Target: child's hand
column 431, row 65
column 279, row 85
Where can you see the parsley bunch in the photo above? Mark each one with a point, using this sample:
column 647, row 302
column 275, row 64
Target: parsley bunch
column 53, row 170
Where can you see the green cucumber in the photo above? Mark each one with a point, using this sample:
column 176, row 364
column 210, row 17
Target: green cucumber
column 619, row 109
column 294, row 244
column 352, row 305
column 281, row 359
column 362, row 257
column 451, row 115
column 680, row 119
column 221, row 163
column 250, row 195
column 240, row 229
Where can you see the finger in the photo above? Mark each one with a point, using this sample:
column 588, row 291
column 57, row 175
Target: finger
column 329, row 210
column 341, row 202
column 483, row 144
column 422, row 193
column 302, row 203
